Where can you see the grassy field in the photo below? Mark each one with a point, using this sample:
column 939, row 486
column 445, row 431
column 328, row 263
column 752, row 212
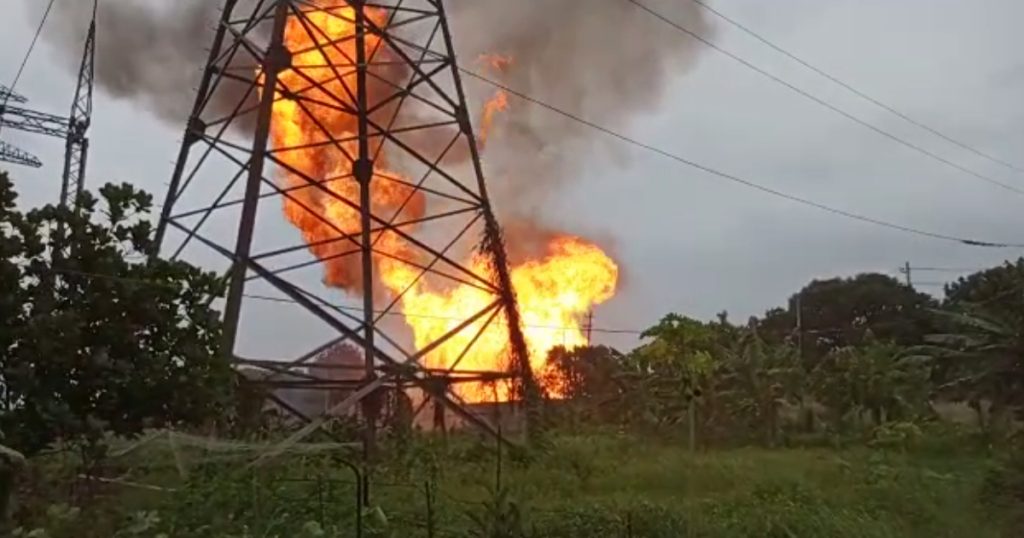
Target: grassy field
column 580, row 486
column 589, row 486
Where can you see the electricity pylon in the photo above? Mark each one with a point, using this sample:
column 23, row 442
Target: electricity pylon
column 73, row 129
column 376, row 91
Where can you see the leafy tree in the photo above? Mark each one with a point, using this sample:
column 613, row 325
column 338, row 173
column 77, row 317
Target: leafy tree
column 589, row 378
column 96, row 335
column 680, row 337
column 675, row 368
column 877, row 379
column 981, row 358
column 760, row 378
column 1000, row 290
column 840, row 312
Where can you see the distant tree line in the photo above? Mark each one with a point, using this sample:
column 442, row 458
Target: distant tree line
column 846, row 355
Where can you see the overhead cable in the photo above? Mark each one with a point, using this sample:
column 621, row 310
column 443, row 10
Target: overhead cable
column 737, row 179
column 863, row 95
column 826, row 104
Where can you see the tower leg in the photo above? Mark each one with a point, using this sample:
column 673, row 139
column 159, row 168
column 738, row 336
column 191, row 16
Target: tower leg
column 195, row 127
column 276, row 60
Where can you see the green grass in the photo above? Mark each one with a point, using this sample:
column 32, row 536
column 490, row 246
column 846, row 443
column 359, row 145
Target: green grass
column 749, row 492
column 592, row 486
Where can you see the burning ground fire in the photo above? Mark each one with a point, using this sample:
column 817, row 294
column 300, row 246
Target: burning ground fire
column 554, row 291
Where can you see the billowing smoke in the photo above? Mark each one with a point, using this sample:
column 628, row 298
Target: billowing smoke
column 607, row 61
column 151, row 51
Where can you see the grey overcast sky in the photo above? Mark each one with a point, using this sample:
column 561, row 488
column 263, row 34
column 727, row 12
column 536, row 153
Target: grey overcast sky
column 692, row 243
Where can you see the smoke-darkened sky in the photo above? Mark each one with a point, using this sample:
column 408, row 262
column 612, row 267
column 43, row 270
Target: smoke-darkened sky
column 688, row 242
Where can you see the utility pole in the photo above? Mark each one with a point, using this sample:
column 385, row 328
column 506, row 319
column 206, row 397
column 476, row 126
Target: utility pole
column 800, row 325
column 590, row 328
column 906, row 272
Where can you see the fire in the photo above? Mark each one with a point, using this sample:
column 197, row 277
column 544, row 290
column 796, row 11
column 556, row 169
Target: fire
column 498, row 103
column 554, row 292
column 310, row 127
column 497, row 62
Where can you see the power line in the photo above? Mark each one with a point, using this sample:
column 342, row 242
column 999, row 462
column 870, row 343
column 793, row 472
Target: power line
column 949, row 269
column 824, row 103
column 737, row 179
column 28, row 54
column 855, row 91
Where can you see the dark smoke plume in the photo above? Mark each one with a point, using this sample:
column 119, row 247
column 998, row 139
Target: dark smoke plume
column 604, row 60
column 151, row 51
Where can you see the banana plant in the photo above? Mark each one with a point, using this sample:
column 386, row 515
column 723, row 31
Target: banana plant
column 980, row 358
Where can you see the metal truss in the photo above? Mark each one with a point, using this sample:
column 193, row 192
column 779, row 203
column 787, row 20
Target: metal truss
column 76, row 142
column 9, row 96
column 8, row 152
column 11, row 154
column 73, row 129
column 32, row 121
column 393, row 80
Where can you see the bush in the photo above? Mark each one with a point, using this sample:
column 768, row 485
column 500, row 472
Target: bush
column 602, row 521
column 896, row 436
column 1003, row 490
column 1004, row 482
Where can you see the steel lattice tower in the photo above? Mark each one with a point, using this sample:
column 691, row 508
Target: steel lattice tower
column 73, row 129
column 393, row 77
column 76, row 147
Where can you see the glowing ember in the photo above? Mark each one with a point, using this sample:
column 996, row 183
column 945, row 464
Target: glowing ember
column 554, row 292
column 496, row 62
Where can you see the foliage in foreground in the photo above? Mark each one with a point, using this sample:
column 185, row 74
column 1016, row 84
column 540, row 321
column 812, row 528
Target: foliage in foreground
column 617, row 486
column 97, row 337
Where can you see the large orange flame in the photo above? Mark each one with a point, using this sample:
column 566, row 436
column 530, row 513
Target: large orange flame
column 554, row 292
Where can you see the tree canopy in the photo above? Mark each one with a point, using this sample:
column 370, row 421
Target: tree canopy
column 97, row 336
column 998, row 288
column 841, row 312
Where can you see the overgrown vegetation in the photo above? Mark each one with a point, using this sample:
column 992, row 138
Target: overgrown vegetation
column 597, row 484
column 825, row 418
column 879, row 355
column 96, row 337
